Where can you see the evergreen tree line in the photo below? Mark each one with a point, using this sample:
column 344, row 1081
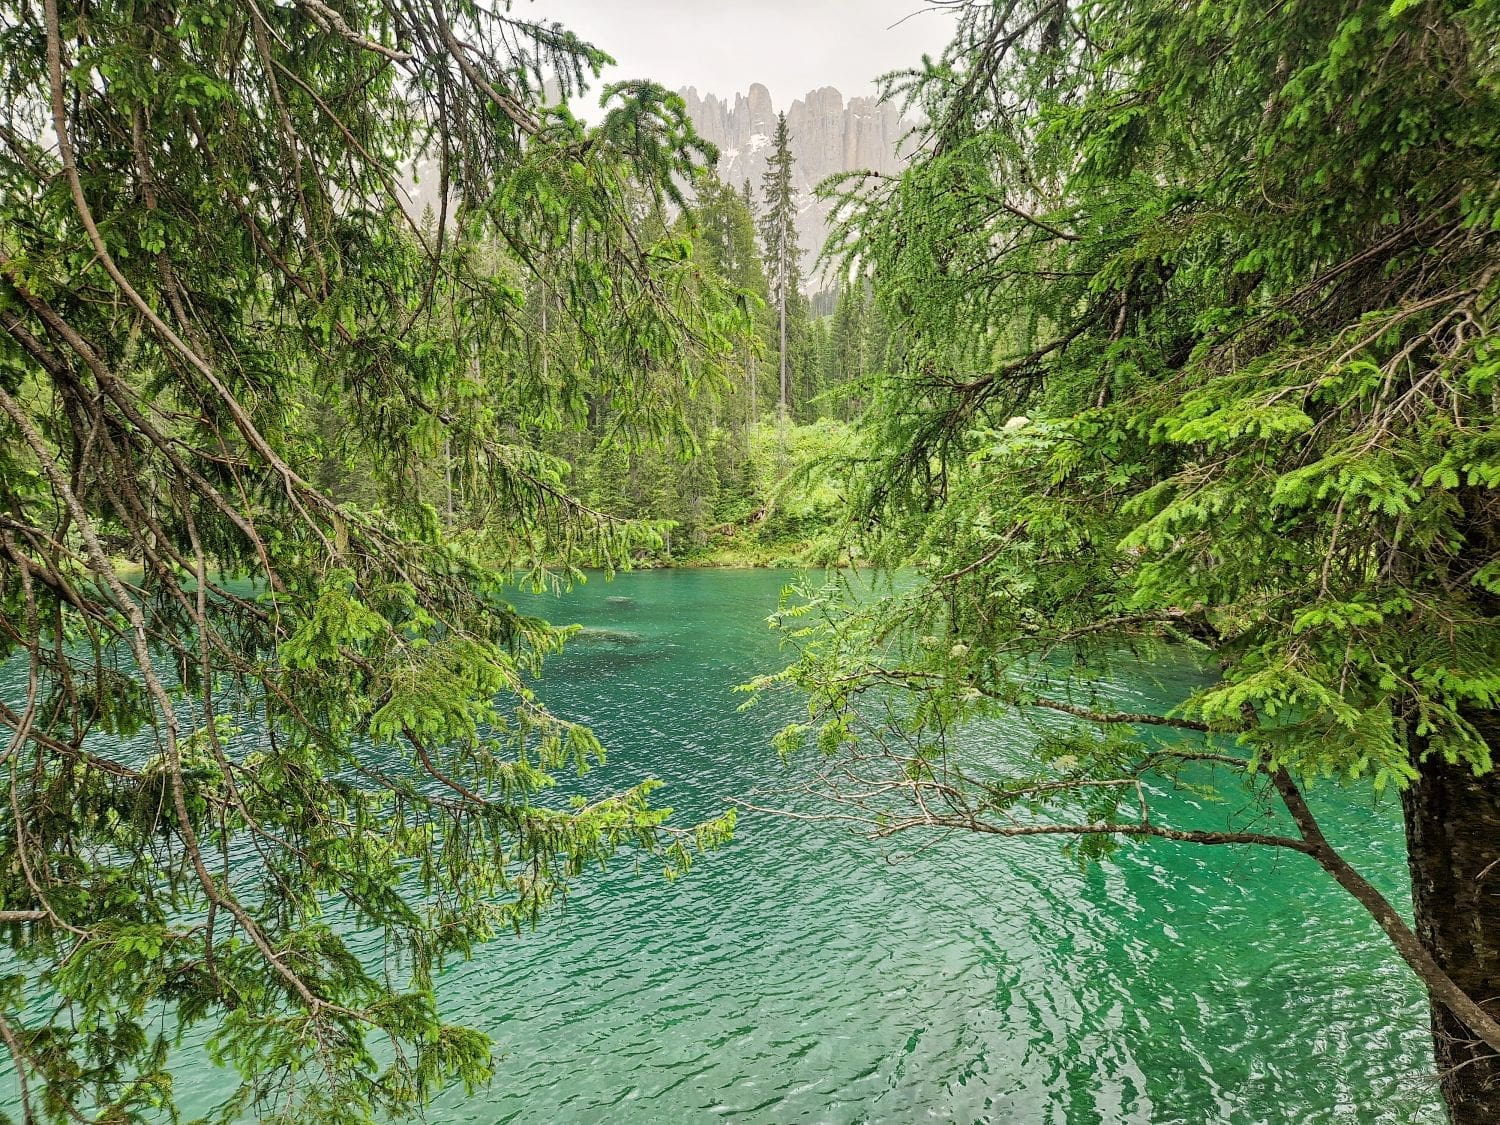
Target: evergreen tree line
column 719, row 489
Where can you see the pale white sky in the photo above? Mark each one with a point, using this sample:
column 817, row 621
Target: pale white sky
column 721, row 46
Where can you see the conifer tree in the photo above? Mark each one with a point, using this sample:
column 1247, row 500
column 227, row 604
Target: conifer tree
column 1199, row 308
column 747, row 197
column 228, row 354
column 778, row 232
column 727, row 221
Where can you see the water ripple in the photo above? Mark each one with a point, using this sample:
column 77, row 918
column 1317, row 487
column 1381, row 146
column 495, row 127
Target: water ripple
column 798, row 976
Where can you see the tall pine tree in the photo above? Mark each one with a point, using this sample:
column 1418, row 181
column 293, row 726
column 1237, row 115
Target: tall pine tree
column 778, row 233
column 726, row 220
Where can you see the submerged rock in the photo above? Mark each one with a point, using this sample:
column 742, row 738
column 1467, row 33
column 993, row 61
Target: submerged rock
column 592, row 635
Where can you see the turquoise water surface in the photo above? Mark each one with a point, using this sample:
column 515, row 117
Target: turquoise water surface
column 807, row 974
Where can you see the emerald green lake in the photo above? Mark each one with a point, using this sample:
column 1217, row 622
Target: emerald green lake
column 806, row 974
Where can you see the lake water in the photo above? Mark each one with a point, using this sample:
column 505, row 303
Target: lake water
column 805, row 974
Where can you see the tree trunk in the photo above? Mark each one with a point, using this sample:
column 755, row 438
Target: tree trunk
column 785, row 388
column 1453, row 843
column 750, row 378
column 1453, row 849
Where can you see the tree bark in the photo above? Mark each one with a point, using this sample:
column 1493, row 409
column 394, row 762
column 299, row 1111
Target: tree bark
column 1453, row 849
column 1453, row 845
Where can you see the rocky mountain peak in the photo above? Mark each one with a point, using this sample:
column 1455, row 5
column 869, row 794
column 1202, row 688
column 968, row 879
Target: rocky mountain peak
column 828, row 136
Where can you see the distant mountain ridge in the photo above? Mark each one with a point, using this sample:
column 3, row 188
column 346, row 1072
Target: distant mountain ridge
column 828, row 135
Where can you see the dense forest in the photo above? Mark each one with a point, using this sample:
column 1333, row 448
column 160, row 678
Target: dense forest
column 746, row 477
column 755, row 481
column 1175, row 334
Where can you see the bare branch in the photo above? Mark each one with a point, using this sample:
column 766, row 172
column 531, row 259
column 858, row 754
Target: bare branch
column 329, row 19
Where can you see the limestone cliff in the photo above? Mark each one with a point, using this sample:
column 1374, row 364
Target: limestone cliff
column 828, row 135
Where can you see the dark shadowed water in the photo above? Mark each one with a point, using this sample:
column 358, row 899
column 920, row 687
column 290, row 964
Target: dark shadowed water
column 804, row 974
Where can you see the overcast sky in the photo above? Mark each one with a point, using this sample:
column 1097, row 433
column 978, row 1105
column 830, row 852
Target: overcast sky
column 721, row 46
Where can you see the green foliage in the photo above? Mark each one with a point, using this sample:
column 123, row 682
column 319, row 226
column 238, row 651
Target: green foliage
column 767, row 492
column 314, row 426
column 849, row 351
column 733, row 488
column 1197, row 315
